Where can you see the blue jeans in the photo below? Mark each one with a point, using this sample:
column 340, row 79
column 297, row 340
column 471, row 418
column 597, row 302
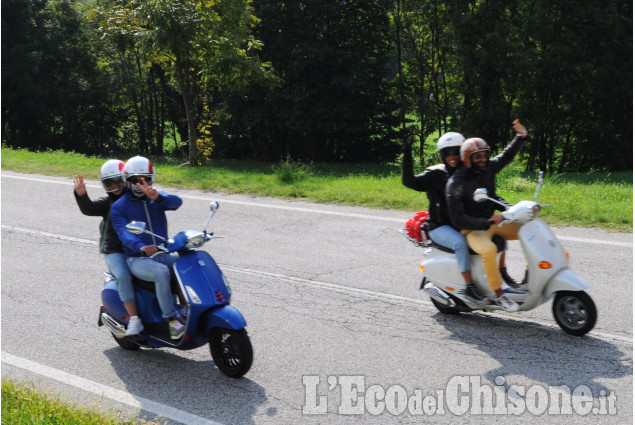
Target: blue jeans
column 117, row 265
column 157, row 270
column 449, row 237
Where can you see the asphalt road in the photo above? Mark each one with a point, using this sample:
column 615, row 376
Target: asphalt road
column 340, row 330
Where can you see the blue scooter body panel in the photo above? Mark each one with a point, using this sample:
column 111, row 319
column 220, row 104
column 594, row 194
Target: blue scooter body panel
column 110, row 299
column 147, row 304
column 202, row 282
column 198, row 272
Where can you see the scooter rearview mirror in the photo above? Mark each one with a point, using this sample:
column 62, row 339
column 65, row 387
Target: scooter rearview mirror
column 540, row 181
column 213, row 206
column 480, row 195
column 136, row 227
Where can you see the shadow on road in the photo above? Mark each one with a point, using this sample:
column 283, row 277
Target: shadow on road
column 196, row 387
column 540, row 353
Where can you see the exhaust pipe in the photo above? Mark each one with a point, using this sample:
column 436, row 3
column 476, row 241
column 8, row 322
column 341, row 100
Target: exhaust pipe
column 115, row 327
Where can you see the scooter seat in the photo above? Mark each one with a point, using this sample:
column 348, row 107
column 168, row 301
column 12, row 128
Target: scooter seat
column 149, row 286
column 499, row 241
column 144, row 284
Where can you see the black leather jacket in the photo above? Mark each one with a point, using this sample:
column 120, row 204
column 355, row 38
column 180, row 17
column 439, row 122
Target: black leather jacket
column 432, row 181
column 465, row 212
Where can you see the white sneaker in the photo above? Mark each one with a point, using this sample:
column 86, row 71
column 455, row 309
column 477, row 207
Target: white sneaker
column 134, row 326
column 507, row 304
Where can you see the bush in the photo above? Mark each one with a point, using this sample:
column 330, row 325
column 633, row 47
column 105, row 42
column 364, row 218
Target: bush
column 290, row 171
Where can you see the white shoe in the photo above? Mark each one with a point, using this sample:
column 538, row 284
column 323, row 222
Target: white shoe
column 507, row 304
column 134, row 326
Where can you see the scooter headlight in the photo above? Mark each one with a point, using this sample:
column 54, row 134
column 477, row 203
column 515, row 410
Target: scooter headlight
column 193, row 295
column 194, row 239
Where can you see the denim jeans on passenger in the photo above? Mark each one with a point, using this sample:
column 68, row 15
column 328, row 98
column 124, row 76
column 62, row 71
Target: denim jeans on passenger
column 118, row 266
column 157, row 270
column 451, row 238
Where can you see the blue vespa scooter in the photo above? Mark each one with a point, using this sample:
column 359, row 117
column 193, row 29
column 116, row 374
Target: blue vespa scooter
column 203, row 302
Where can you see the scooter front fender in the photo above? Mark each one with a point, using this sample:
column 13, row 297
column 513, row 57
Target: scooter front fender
column 225, row 316
column 564, row 280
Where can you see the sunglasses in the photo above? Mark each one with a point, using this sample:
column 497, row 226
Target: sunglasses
column 450, row 152
column 112, row 181
column 135, row 180
column 480, row 155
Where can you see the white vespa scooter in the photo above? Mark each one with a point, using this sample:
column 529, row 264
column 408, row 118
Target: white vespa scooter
column 548, row 273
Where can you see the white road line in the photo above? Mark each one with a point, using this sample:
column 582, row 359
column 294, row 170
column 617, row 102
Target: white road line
column 316, row 211
column 340, row 288
column 597, row 241
column 418, row 302
column 119, row 396
column 245, row 203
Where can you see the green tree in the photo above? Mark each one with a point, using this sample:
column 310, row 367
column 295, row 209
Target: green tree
column 203, row 44
column 53, row 93
column 577, row 87
column 332, row 103
column 429, row 62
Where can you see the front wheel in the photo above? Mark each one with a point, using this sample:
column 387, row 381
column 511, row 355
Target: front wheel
column 231, row 350
column 574, row 312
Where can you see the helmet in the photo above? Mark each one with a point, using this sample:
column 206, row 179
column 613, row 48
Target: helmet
column 138, row 166
column 449, row 142
column 471, row 146
column 110, row 174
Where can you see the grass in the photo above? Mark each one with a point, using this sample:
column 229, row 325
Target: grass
column 578, row 199
column 24, row 404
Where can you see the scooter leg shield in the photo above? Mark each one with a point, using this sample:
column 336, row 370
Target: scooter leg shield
column 564, row 280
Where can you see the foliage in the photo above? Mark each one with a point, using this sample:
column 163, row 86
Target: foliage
column 290, row 171
column 25, row 404
column 205, row 142
column 201, row 45
column 332, row 103
column 321, row 80
column 53, row 94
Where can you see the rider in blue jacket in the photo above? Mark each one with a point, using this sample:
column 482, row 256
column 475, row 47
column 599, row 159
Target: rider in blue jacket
column 144, row 203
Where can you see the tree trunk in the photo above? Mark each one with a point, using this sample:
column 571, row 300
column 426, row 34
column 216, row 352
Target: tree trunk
column 187, row 89
column 191, row 129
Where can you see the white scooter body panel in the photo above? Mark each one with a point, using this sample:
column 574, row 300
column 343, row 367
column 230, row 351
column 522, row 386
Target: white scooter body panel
column 565, row 280
column 540, row 244
column 442, row 269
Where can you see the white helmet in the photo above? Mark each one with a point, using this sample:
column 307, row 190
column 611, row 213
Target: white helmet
column 449, row 143
column 110, row 174
column 138, row 166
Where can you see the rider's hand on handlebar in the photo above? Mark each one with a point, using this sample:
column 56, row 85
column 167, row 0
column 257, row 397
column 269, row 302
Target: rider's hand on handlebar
column 496, row 219
column 149, row 250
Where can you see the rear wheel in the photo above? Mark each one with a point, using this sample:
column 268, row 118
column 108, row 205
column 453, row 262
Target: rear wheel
column 574, row 312
column 125, row 343
column 231, row 350
column 444, row 308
